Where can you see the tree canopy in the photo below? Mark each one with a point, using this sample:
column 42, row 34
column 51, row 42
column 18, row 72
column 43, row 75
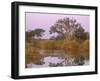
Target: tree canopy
column 34, row 34
column 67, row 28
column 38, row 32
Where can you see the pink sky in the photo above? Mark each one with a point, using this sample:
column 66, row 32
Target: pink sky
column 45, row 21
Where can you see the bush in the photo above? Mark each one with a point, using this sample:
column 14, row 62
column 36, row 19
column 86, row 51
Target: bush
column 48, row 45
column 32, row 55
column 58, row 44
column 71, row 47
column 85, row 49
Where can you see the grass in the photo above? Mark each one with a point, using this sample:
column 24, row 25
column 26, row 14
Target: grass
column 36, row 50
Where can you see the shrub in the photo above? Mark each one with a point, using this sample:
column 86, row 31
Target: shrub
column 71, row 47
column 31, row 55
column 48, row 45
column 85, row 49
column 58, row 44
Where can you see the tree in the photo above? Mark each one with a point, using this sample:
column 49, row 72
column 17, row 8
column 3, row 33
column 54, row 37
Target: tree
column 65, row 27
column 32, row 34
column 38, row 32
column 57, row 37
column 80, row 34
column 28, row 36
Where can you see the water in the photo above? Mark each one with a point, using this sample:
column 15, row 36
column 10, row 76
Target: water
column 47, row 61
column 54, row 61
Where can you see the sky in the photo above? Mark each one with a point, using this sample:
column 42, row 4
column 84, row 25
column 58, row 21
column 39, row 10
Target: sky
column 45, row 21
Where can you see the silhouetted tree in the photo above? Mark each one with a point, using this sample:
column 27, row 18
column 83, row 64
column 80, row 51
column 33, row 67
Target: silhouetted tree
column 38, row 32
column 34, row 33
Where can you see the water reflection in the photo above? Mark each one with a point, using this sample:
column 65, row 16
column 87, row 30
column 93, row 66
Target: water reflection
column 57, row 61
